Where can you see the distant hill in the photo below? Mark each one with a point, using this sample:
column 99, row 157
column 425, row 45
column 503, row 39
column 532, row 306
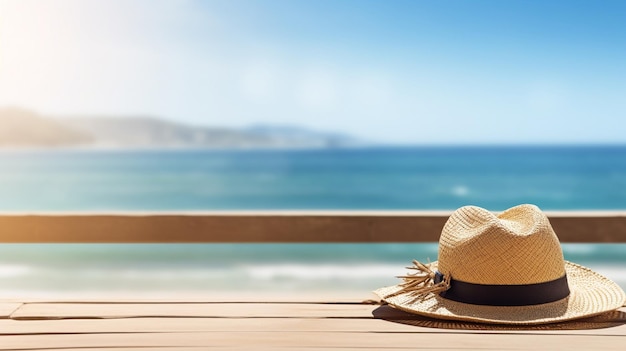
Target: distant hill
column 22, row 128
column 152, row 132
column 294, row 134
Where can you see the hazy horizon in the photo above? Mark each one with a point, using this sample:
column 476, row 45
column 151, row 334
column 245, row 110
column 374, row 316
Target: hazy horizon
column 292, row 130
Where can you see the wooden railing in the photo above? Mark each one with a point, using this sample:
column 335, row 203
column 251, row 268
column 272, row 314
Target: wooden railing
column 295, row 227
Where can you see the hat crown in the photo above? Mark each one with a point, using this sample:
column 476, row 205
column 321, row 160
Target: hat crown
column 516, row 247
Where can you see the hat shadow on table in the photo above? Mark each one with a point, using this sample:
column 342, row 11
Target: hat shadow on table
column 606, row 320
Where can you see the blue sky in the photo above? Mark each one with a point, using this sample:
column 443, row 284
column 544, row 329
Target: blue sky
column 395, row 71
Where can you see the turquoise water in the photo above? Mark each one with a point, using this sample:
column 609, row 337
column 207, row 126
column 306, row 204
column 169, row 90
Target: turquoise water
column 391, row 178
column 561, row 178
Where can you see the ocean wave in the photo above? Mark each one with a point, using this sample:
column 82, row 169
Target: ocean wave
column 460, row 191
column 252, row 272
column 321, row 272
column 270, row 277
column 13, row 270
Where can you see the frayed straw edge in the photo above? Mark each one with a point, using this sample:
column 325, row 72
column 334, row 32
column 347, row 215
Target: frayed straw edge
column 420, row 283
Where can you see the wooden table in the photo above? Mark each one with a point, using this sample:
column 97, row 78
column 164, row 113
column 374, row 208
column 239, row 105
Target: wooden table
column 289, row 322
column 262, row 322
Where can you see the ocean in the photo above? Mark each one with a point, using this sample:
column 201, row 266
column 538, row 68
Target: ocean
column 417, row 178
column 379, row 178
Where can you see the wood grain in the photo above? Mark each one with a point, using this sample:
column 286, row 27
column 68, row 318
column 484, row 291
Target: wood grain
column 415, row 341
column 7, row 308
column 219, row 310
column 295, row 227
column 166, row 326
column 302, row 324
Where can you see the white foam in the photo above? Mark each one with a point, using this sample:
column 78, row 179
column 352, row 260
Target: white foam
column 322, row 272
column 460, row 191
column 333, row 276
column 290, row 271
column 168, row 274
column 12, row 271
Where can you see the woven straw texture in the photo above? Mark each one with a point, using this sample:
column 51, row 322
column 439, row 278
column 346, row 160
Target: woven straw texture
column 590, row 294
column 517, row 247
column 478, row 247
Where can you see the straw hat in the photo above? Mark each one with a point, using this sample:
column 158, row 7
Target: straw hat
column 505, row 269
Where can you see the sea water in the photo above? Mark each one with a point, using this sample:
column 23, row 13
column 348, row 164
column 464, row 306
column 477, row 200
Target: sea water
column 554, row 178
column 379, row 178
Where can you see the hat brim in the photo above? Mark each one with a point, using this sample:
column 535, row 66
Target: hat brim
column 590, row 294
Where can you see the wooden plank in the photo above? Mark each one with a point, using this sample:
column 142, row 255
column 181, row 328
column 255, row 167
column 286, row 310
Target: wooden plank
column 203, row 297
column 279, row 227
column 230, row 310
column 328, row 325
column 7, row 308
column 322, row 326
column 230, row 348
column 319, row 340
column 345, row 226
column 222, row 310
column 162, row 325
column 147, row 349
